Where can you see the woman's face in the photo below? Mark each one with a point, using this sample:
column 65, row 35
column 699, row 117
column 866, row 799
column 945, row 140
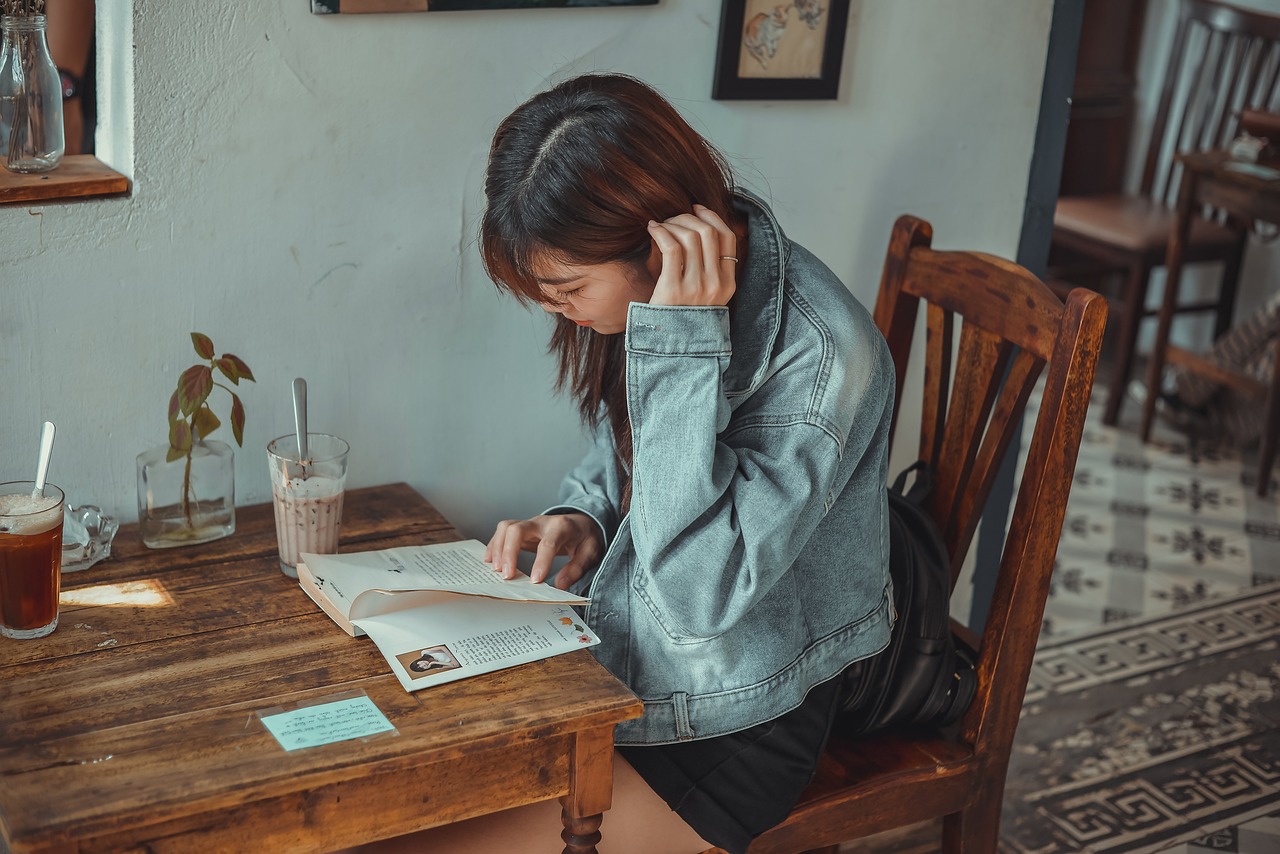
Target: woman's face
column 597, row 295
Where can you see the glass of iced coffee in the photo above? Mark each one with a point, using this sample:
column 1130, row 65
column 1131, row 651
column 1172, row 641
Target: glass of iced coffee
column 30, row 559
column 307, row 495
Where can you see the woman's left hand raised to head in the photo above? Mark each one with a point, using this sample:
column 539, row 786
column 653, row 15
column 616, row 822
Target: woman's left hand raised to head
column 699, row 264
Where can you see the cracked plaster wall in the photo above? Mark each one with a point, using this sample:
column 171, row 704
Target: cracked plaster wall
column 306, row 189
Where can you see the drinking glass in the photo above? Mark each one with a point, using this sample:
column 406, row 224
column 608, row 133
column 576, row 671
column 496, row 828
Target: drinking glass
column 307, row 495
column 30, row 559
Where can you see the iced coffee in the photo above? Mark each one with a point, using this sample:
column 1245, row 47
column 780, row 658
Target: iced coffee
column 307, row 495
column 30, row 559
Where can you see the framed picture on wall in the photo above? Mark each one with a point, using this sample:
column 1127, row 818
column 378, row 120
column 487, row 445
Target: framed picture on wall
column 780, row 49
column 334, row 7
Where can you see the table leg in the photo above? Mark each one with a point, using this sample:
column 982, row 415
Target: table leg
column 590, row 790
column 1270, row 424
column 1173, row 272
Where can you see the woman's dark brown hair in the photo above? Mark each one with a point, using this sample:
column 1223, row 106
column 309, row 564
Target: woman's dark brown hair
column 575, row 174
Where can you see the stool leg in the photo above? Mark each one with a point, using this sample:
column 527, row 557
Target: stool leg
column 1270, row 426
column 1227, row 292
column 1168, row 305
column 1135, row 302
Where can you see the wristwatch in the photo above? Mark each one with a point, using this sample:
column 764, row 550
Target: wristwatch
column 70, row 84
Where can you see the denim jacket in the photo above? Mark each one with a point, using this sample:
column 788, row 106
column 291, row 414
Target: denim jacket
column 753, row 563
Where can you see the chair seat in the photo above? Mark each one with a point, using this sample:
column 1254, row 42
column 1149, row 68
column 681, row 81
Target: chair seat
column 1136, row 224
column 875, row 773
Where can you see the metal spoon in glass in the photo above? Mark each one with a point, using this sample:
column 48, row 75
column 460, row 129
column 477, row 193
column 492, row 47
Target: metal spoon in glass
column 42, row 463
column 300, row 422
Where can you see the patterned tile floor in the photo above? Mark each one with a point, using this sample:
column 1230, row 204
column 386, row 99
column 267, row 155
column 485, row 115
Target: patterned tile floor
column 1153, row 528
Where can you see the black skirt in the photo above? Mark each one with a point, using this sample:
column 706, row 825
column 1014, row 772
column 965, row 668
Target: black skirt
column 731, row 788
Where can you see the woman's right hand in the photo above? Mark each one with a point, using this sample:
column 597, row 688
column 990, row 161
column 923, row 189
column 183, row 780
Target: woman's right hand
column 573, row 534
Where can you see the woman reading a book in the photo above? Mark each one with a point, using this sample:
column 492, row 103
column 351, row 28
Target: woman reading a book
column 729, row 522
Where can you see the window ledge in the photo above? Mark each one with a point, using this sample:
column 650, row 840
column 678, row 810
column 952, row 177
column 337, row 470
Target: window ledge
column 78, row 176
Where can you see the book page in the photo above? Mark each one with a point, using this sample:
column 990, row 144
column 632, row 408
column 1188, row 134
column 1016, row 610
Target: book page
column 457, row 567
column 449, row 636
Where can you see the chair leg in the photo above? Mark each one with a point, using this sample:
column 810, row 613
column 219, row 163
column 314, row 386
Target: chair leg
column 976, row 829
column 1270, row 426
column 1227, row 292
column 1135, row 302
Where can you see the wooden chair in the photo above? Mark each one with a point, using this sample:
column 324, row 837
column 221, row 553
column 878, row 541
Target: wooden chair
column 1223, row 60
column 1010, row 324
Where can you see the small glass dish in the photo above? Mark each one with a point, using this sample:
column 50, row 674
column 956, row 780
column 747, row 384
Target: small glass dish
column 87, row 533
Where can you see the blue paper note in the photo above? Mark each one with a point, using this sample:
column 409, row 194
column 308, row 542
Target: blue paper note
column 326, row 723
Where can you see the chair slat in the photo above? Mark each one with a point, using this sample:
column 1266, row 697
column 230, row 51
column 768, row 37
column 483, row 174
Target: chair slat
column 981, row 360
column 1019, row 382
column 937, row 383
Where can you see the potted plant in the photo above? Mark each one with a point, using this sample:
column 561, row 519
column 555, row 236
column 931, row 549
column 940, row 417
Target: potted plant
column 186, row 489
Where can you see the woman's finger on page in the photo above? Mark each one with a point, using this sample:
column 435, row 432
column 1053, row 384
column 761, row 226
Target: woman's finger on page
column 548, row 548
column 509, row 548
column 571, row 572
column 582, row 556
column 495, row 542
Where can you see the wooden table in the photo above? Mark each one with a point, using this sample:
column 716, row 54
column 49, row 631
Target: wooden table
column 1206, row 181
column 133, row 726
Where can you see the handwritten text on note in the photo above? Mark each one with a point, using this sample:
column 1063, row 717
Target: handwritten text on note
column 325, row 723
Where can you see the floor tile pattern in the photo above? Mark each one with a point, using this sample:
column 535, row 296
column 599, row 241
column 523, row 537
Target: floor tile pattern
column 1167, row 560
column 1150, row 732
column 1150, row 528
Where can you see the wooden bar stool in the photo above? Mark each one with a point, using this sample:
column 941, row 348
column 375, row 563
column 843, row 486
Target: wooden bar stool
column 1211, row 179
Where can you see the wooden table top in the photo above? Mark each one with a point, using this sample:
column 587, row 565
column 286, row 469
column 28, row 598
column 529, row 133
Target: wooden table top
column 139, row 711
column 1221, row 183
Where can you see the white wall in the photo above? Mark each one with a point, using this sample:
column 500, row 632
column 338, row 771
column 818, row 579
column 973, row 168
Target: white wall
column 306, row 190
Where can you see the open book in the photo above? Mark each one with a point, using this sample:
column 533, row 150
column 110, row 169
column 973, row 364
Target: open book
column 439, row 613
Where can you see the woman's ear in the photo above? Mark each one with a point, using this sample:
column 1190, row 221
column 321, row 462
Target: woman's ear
column 647, row 276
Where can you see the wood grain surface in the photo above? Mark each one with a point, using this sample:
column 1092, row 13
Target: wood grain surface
column 135, row 725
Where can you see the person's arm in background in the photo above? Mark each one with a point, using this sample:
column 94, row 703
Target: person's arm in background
column 70, row 33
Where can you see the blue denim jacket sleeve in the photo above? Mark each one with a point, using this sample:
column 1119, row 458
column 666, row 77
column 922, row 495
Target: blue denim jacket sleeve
column 591, row 487
column 716, row 517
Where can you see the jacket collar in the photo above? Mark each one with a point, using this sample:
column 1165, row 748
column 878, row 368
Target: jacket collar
column 756, row 310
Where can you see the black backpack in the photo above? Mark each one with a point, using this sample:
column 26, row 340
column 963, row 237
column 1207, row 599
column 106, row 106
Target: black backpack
column 926, row 674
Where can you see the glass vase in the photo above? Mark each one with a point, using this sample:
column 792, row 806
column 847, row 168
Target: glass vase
column 189, row 500
column 31, row 133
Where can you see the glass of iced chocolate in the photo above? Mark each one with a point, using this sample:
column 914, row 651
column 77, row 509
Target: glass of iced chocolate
column 30, row 559
column 307, row 495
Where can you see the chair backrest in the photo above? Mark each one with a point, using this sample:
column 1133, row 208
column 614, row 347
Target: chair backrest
column 992, row 328
column 1223, row 59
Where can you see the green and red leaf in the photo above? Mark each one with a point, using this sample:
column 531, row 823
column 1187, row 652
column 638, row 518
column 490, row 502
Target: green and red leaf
column 193, row 387
column 204, row 422
column 237, row 419
column 179, row 440
column 241, row 368
column 229, row 369
column 204, row 347
column 174, row 408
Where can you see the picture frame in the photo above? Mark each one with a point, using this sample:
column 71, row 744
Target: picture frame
column 346, row 7
column 783, row 50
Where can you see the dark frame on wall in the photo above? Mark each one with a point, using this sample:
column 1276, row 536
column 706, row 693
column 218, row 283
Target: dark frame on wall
column 334, row 7
column 803, row 40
